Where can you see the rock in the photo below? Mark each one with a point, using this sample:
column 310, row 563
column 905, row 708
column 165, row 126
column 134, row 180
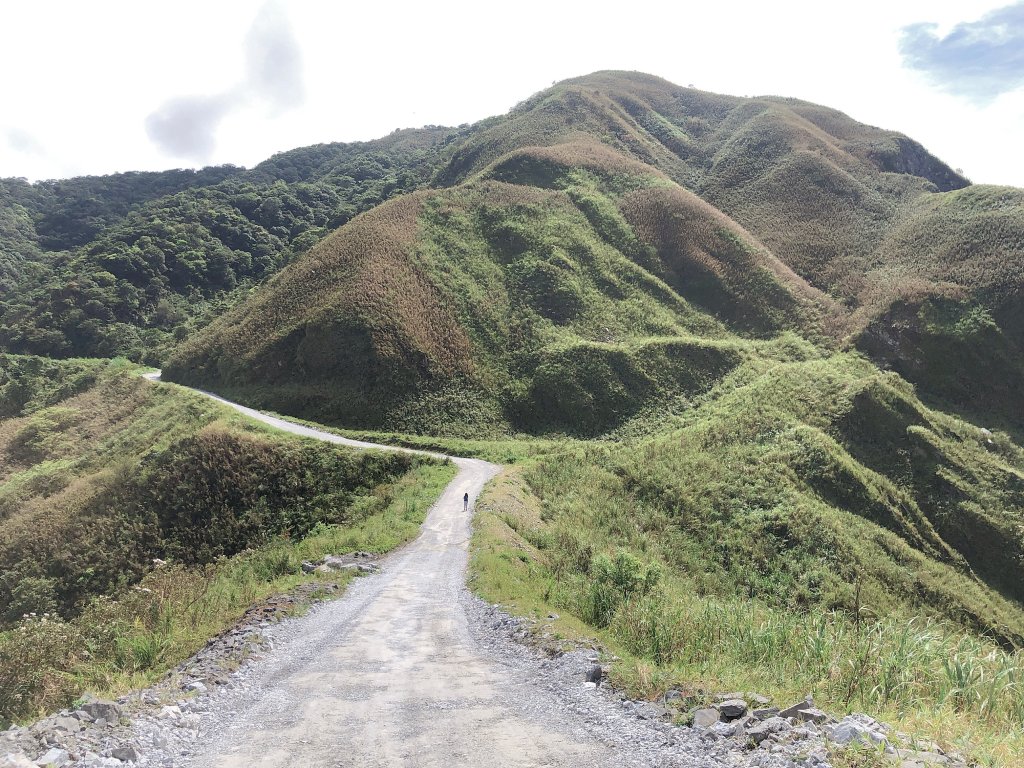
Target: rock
column 851, row 729
column 723, row 730
column 794, row 710
column 594, row 674
column 758, row 699
column 66, row 724
column 85, row 717
column 100, row 709
column 673, row 695
column 730, row 709
column 307, row 567
column 170, row 713
column 705, row 718
column 127, row 753
column 16, row 760
column 762, row 730
column 764, row 714
column 811, row 715
column 54, row 758
column 197, row 686
column 590, row 685
column 719, row 698
column 910, row 759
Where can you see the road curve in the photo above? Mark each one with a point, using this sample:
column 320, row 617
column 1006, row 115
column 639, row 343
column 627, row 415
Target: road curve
column 389, row 674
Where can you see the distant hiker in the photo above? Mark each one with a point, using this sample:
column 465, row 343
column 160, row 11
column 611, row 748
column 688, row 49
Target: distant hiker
column 465, row 502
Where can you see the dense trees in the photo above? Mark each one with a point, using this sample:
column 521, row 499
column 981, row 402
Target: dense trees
column 125, row 264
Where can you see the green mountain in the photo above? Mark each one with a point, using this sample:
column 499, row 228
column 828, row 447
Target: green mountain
column 718, row 282
column 790, row 342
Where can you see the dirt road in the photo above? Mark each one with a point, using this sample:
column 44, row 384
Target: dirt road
column 389, row 675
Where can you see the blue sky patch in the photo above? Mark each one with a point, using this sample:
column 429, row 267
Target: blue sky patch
column 978, row 60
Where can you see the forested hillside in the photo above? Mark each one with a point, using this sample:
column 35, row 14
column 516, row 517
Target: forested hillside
column 127, row 264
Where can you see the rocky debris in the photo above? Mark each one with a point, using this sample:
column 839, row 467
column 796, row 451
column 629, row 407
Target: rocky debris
column 53, row 758
column 761, row 730
column 594, row 674
column 764, row 714
column 16, row 761
column 359, row 562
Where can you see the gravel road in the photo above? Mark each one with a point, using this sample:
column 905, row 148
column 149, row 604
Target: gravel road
column 410, row 669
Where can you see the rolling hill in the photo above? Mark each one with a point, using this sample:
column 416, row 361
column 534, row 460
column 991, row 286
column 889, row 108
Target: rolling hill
column 791, row 343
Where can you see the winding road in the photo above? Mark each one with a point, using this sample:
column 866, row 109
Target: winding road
column 390, row 674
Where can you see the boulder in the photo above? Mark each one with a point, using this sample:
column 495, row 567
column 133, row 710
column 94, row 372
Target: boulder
column 794, row 710
column 15, row 760
column 127, row 753
column 66, row 724
column 594, row 674
column 100, row 709
column 724, row 730
column 705, row 718
column 811, row 715
column 731, row 709
column 764, row 714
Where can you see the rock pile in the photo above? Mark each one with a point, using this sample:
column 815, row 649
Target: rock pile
column 769, row 728
column 359, row 562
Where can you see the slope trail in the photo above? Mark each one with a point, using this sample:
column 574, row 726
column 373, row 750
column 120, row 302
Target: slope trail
column 392, row 674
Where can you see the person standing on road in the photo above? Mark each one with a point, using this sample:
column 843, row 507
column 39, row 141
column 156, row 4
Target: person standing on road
column 465, row 502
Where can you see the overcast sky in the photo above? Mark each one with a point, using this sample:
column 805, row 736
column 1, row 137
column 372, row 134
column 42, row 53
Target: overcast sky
column 105, row 86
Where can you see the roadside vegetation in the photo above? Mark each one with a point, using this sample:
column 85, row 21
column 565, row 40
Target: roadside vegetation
column 136, row 521
column 806, row 527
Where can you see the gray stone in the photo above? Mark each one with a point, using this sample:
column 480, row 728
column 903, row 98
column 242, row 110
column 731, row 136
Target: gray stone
column 16, row 760
column 758, row 700
column 794, row 710
column 849, row 731
column 764, row 714
column 731, row 709
column 101, row 709
column 54, row 758
column 198, row 686
column 127, row 753
column 726, row 696
column 66, row 724
column 910, row 759
column 705, row 718
column 723, row 730
column 307, row 567
column 762, row 730
column 812, row 715
column 594, row 674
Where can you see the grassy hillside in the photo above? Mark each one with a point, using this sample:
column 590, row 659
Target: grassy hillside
column 523, row 301
column 102, row 471
column 806, row 527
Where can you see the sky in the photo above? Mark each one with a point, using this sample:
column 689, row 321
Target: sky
column 109, row 86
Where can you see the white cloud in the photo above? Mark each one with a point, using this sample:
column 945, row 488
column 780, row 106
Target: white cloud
column 86, row 85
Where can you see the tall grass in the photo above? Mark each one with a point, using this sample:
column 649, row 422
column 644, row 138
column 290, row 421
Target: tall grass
column 129, row 639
